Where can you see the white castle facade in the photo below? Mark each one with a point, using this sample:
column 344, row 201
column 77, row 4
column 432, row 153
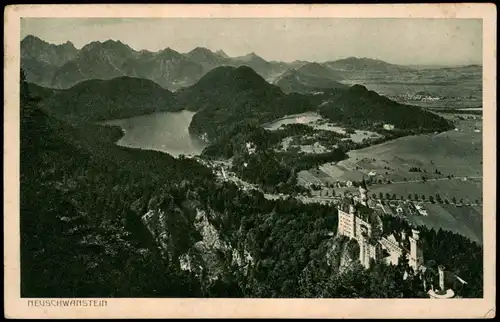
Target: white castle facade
column 357, row 220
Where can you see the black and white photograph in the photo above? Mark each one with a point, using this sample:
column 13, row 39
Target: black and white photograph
column 251, row 158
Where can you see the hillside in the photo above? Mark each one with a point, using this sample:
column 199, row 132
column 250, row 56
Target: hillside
column 94, row 61
column 169, row 68
column 360, row 108
column 227, row 96
column 55, row 55
column 119, row 97
column 207, row 58
column 39, row 72
column 294, row 81
column 41, row 60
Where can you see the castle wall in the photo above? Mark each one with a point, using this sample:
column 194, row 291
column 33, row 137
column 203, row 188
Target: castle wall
column 346, row 226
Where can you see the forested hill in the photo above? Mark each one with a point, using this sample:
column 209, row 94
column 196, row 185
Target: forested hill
column 360, row 108
column 119, row 97
column 227, row 96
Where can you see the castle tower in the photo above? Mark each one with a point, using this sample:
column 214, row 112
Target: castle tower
column 441, row 277
column 364, row 256
column 352, row 214
column 416, row 253
column 363, row 192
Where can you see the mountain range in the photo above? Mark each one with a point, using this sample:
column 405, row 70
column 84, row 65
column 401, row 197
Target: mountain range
column 63, row 66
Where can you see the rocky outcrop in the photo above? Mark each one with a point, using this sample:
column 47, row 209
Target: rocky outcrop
column 210, row 255
column 342, row 254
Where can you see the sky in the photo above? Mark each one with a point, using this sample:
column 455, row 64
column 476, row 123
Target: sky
column 399, row 40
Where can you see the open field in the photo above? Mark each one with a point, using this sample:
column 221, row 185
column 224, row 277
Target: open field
column 315, row 121
column 465, row 220
column 457, row 153
column 469, row 190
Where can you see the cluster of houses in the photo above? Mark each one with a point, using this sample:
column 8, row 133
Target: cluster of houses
column 359, row 221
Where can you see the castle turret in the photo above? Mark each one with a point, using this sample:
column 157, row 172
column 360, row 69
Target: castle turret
column 441, row 277
column 363, row 191
column 364, row 256
column 416, row 253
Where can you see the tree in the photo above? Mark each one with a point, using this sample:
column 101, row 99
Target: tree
column 415, row 197
column 454, row 200
column 431, row 199
column 24, row 87
column 409, row 196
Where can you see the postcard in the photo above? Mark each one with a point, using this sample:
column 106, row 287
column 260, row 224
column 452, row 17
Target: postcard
column 315, row 161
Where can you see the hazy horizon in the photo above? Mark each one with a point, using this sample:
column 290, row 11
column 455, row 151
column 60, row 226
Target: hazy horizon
column 419, row 41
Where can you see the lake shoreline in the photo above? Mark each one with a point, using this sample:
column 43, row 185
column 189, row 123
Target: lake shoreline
column 166, row 132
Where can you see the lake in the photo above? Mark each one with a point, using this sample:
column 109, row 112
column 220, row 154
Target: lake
column 163, row 131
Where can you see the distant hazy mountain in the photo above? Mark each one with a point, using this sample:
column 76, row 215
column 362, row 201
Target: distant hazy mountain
column 319, row 70
column 37, row 49
column 169, row 68
column 40, row 60
column 221, row 53
column 63, row 66
column 120, row 97
column 38, row 72
column 208, row 59
column 254, row 61
column 94, row 61
column 295, row 81
column 365, row 64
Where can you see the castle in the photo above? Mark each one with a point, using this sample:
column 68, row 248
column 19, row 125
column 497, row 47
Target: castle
column 358, row 221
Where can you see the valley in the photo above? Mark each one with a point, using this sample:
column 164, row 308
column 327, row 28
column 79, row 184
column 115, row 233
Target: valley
column 224, row 176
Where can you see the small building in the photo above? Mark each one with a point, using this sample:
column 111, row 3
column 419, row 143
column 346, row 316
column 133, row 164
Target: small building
column 388, row 127
column 251, row 147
